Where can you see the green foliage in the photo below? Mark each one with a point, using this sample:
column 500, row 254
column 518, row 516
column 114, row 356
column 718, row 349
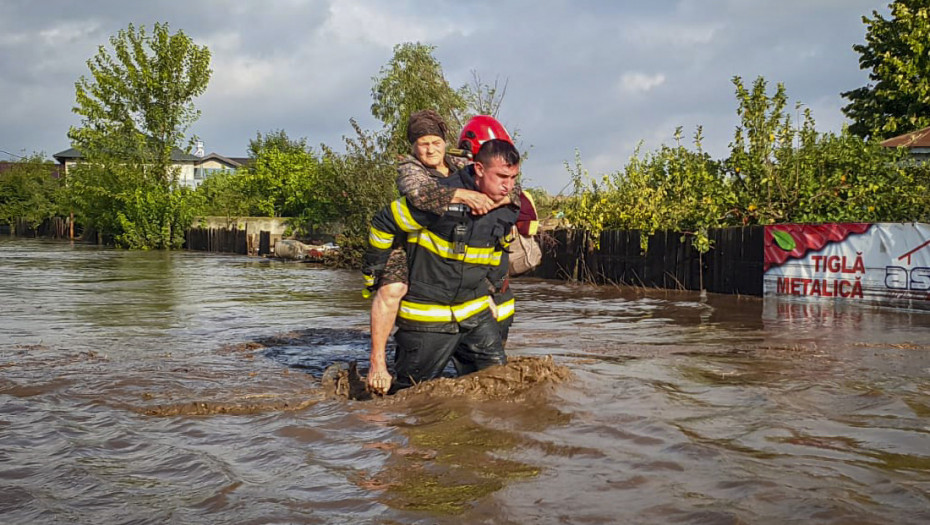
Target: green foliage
column 276, row 141
column 225, row 194
column 412, row 81
column 672, row 188
column 135, row 109
column 842, row 177
column 29, row 192
column 360, row 182
column 776, row 172
column 133, row 206
column 763, row 128
column 284, row 179
column 156, row 217
column 897, row 54
column 784, row 173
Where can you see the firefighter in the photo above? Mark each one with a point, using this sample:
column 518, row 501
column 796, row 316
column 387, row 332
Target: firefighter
column 455, row 262
column 418, row 180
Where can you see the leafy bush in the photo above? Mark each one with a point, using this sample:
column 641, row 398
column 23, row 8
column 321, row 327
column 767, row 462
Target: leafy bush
column 776, row 172
column 29, row 192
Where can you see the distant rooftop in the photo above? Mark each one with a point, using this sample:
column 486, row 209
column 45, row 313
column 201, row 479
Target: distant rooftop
column 914, row 139
column 176, row 155
column 72, row 153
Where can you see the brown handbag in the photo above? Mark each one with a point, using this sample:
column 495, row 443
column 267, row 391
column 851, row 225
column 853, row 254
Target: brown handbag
column 525, row 253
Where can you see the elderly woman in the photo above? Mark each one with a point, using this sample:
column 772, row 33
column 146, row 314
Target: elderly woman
column 417, row 181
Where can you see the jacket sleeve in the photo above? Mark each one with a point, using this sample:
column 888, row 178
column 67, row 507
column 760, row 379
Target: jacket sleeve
column 389, row 228
column 527, row 219
column 422, row 190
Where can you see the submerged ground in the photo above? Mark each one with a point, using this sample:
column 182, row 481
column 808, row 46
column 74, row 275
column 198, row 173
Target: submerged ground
column 190, row 388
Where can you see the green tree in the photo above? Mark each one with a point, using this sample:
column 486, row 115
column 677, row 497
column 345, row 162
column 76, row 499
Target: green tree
column 788, row 172
column 778, row 171
column 764, row 127
column 223, row 194
column 29, row 192
column 843, row 178
column 673, row 188
column 135, row 109
column 897, row 55
column 276, row 140
column 412, row 81
column 284, row 179
column 359, row 183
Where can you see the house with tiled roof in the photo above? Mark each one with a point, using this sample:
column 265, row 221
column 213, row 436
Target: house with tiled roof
column 192, row 169
column 918, row 142
column 209, row 165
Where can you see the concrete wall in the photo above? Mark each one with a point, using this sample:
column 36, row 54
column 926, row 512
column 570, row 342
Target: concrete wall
column 275, row 225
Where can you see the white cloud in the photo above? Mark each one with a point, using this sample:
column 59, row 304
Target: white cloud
column 636, row 82
column 68, row 33
column 661, row 33
column 384, row 24
column 11, row 39
column 222, row 42
column 240, row 77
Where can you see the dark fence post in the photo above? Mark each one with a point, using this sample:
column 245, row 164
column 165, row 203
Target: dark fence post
column 264, row 243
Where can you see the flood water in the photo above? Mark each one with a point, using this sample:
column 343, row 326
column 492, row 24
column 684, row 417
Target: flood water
column 140, row 387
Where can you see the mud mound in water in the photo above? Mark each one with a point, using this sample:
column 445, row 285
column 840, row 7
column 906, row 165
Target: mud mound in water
column 343, row 380
column 237, row 407
column 509, row 381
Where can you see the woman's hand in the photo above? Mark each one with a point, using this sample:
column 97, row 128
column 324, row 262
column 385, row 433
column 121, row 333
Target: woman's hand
column 477, row 201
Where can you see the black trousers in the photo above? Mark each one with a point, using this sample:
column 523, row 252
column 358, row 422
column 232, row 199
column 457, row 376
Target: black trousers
column 504, row 327
column 423, row 355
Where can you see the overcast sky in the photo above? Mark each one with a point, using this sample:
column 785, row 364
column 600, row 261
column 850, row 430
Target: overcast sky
column 596, row 76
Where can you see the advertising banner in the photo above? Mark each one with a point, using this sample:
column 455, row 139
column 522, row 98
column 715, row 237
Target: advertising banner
column 883, row 263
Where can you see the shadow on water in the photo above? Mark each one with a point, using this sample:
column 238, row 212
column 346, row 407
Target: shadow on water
column 461, row 436
column 316, row 349
column 290, row 371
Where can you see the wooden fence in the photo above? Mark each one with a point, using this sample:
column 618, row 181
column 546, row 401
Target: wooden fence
column 229, row 240
column 219, row 240
column 733, row 265
column 54, row 228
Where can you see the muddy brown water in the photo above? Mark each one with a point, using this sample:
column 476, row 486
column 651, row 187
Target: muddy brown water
column 188, row 388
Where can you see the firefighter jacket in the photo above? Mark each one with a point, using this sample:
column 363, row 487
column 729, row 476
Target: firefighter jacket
column 456, row 260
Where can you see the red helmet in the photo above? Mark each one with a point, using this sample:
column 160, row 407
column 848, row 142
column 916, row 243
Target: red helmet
column 480, row 129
